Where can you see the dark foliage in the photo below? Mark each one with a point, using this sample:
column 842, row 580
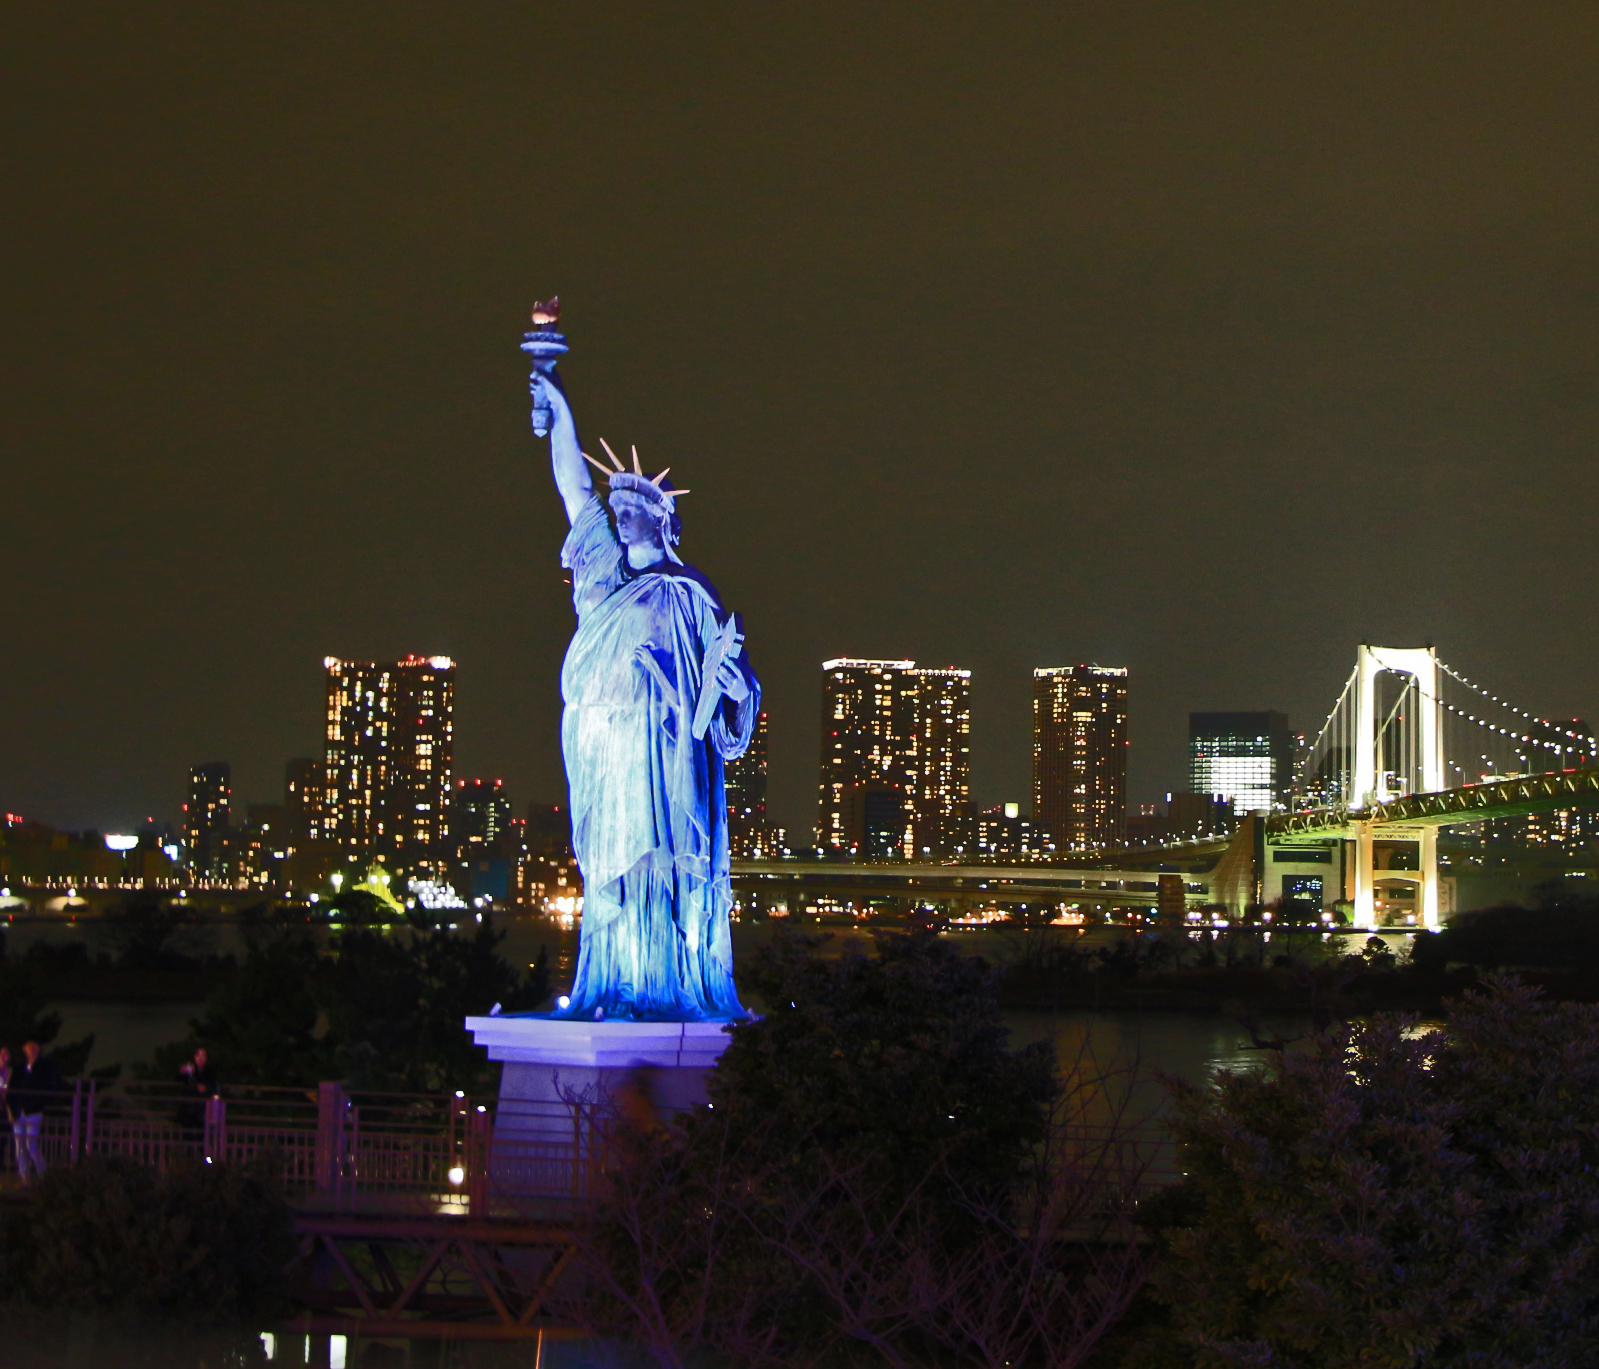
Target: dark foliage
column 379, row 1010
column 396, row 1007
column 1553, row 935
column 264, row 1024
column 874, row 1177
column 360, row 908
column 24, row 993
column 1392, row 1198
column 901, row 1053
column 204, row 1243
column 54, row 960
column 150, row 932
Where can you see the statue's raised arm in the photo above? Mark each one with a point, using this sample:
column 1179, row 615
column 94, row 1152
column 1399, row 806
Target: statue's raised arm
column 552, row 413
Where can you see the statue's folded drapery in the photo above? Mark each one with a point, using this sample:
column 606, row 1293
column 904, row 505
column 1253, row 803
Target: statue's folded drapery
column 649, row 812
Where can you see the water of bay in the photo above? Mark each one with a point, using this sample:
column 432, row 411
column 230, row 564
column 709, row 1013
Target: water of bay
column 1187, row 1045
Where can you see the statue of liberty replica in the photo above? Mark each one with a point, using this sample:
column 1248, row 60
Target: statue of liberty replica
column 659, row 695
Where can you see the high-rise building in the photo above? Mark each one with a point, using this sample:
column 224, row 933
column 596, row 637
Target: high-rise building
column 896, row 757
column 938, row 763
column 205, row 818
column 746, row 797
column 868, row 713
column 424, row 753
column 1080, row 754
column 390, row 753
column 1247, row 758
column 356, row 761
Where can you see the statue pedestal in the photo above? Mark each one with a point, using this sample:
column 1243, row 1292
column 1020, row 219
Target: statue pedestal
column 565, row 1081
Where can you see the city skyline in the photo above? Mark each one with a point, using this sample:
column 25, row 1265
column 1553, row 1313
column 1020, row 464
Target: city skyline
column 894, row 759
column 912, row 735
column 1235, row 763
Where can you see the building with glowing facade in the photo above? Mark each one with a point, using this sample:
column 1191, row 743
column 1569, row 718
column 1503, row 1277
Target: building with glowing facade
column 1246, row 758
column 938, row 763
column 389, row 758
column 1080, row 754
column 895, row 757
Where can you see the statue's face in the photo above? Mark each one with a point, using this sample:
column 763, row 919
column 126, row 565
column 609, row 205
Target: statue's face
column 636, row 525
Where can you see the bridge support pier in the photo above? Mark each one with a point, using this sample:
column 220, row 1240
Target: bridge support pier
column 1365, row 891
column 1428, row 911
column 1364, row 912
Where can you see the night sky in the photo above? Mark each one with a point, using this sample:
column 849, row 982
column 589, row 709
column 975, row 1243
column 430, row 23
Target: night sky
column 1208, row 340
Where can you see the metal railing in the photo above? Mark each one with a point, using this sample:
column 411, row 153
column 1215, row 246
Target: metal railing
column 331, row 1147
column 335, row 1149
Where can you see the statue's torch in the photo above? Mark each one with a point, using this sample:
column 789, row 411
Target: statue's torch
column 544, row 347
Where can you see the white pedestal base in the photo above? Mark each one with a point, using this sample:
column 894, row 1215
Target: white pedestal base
column 599, row 1045
column 560, row 1075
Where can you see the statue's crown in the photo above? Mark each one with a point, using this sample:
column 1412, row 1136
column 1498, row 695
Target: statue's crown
column 651, row 489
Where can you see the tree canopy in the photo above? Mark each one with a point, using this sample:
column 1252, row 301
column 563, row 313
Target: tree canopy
column 377, row 1009
column 1395, row 1196
column 854, row 1189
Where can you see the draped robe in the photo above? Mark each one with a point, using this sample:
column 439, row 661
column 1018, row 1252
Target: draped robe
column 648, row 802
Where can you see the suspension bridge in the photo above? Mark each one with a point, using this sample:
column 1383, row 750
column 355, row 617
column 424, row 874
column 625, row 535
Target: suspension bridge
column 1411, row 745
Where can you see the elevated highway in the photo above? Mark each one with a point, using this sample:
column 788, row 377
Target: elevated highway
column 954, row 888
column 1265, row 858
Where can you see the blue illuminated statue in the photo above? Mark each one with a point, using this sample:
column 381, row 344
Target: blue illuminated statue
column 659, row 694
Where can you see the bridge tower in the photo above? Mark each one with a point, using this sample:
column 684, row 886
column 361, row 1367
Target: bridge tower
column 1371, row 783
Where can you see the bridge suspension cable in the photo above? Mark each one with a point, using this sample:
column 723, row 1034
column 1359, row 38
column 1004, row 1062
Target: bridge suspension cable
column 1326, row 775
column 1516, row 741
column 1481, row 737
column 1548, row 734
column 1323, row 779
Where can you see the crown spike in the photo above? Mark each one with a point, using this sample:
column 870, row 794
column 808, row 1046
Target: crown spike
column 677, row 492
column 637, row 469
column 600, row 466
column 615, row 459
column 656, row 480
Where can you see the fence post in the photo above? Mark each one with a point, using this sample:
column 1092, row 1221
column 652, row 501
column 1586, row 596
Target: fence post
column 72, row 1134
column 216, row 1131
column 329, row 1134
column 577, row 1149
column 479, row 1128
